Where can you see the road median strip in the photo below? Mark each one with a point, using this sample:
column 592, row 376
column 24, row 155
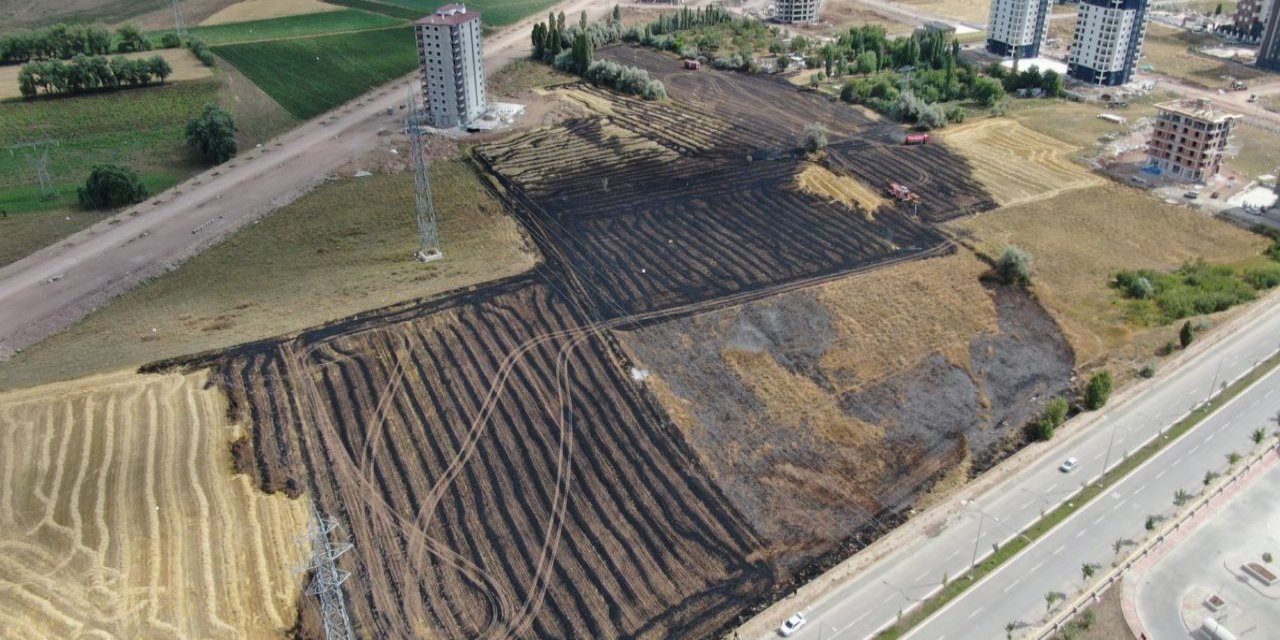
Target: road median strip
column 1038, row 529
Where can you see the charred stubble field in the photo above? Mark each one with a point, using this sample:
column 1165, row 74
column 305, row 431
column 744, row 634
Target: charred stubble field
column 497, row 472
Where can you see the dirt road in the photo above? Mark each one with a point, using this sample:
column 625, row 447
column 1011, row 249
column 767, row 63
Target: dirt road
column 56, row 286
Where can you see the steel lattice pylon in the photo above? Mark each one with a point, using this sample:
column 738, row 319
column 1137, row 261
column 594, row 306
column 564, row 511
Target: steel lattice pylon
column 327, row 578
column 179, row 25
column 428, row 234
column 37, row 154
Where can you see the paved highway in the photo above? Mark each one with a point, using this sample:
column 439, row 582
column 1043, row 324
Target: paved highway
column 873, row 598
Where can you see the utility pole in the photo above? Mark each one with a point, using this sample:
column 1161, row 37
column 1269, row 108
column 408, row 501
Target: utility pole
column 327, row 577
column 179, row 25
column 37, row 154
column 428, row 234
column 1107, row 460
column 981, row 517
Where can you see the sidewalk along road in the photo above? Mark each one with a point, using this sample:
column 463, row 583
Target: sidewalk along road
column 49, row 290
column 872, row 598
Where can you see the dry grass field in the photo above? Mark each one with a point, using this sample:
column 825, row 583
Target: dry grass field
column 974, row 11
column 817, row 180
column 184, row 63
column 1016, row 164
column 247, row 10
column 344, row 248
column 1080, row 239
column 121, row 516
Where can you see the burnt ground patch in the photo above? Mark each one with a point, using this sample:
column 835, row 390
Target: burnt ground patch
column 496, row 474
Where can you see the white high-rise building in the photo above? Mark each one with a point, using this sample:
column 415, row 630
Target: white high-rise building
column 1108, row 41
column 1017, row 28
column 798, row 11
column 452, row 66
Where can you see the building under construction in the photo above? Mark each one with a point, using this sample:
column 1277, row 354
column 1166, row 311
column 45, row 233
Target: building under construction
column 1189, row 139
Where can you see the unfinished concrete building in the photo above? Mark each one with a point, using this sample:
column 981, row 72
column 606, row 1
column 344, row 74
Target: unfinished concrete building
column 798, row 11
column 1189, row 139
column 452, row 66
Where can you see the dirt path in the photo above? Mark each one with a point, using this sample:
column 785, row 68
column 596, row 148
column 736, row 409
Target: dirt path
column 56, row 286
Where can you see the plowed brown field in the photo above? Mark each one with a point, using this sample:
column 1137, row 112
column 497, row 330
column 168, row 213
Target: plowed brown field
column 121, row 517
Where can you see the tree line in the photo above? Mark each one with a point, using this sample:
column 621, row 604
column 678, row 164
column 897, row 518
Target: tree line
column 572, row 49
column 63, row 42
column 84, row 74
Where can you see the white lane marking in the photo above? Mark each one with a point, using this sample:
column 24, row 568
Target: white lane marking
column 1179, row 460
column 921, row 576
column 1100, row 519
column 1059, row 550
column 953, row 553
column 1038, row 564
column 1268, row 394
column 975, row 612
column 1051, row 487
column 1029, row 503
column 1139, row 490
column 1118, row 505
column 1162, row 472
column 1098, row 456
column 1010, row 586
column 890, row 597
column 1193, row 450
column 859, row 618
column 1210, row 436
column 1082, row 532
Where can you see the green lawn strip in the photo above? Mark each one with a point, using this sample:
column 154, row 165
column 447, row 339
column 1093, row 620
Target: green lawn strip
column 310, row 24
column 1046, row 523
column 382, row 8
column 309, row 76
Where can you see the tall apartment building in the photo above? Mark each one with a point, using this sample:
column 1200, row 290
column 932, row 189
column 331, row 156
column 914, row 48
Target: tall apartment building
column 1017, row 28
column 1108, row 41
column 798, row 11
column 452, row 66
column 1269, row 50
column 1250, row 16
column 1189, row 138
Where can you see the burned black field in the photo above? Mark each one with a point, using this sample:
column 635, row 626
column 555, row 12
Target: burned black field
column 498, row 470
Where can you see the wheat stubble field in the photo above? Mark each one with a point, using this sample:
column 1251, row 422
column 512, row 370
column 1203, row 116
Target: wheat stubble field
column 121, row 517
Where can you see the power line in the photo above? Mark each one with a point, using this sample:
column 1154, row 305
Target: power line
column 179, row 25
column 428, row 234
column 327, row 578
column 37, row 154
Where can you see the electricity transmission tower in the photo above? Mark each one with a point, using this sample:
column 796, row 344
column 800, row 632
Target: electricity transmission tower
column 327, row 577
column 179, row 25
column 37, row 154
column 428, row 235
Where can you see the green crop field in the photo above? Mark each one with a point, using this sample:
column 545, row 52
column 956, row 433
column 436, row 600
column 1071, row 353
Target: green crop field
column 495, row 13
column 380, row 7
column 309, row 76
column 310, row 24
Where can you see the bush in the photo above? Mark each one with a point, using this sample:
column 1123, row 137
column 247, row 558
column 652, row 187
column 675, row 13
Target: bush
column 1014, row 265
column 132, row 39
column 1055, row 413
column 1147, row 371
column 111, row 186
column 170, row 41
column 625, row 79
column 1265, row 277
column 908, row 108
column 1186, row 334
column 815, row 138
column 1098, row 391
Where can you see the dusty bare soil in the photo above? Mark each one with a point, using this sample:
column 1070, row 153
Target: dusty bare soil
column 821, row 424
column 121, row 516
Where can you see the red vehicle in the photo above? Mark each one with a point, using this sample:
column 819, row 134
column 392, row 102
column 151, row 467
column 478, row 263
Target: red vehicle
column 916, row 138
column 901, row 193
column 692, row 65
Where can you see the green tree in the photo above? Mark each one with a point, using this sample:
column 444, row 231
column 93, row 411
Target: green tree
column 1218, row 11
column 1014, row 265
column 582, row 52
column 111, row 186
column 132, row 39
column 1150, row 524
column 213, row 134
column 1233, row 458
column 1186, row 334
column 1098, row 391
column 160, row 68
column 987, row 91
column 1087, row 570
column 1258, row 435
column 170, row 41
column 617, row 14
column 1180, row 498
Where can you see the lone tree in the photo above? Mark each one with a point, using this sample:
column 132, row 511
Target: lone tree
column 1098, row 391
column 1150, row 524
column 159, row 67
column 1014, row 265
column 1186, row 334
column 111, row 186
column 1258, row 435
column 1181, row 497
column 213, row 134
column 815, row 138
column 1087, row 570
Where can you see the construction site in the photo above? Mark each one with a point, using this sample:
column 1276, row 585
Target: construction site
column 723, row 366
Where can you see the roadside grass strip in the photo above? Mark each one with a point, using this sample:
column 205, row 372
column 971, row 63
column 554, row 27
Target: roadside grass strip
column 957, row 586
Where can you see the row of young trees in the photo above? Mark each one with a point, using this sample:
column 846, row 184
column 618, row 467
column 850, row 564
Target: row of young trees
column 84, row 74
column 572, row 50
column 63, row 42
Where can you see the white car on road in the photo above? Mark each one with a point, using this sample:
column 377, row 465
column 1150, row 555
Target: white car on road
column 792, row 625
column 1069, row 466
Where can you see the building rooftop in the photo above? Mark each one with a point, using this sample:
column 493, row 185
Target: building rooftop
column 1197, row 108
column 450, row 15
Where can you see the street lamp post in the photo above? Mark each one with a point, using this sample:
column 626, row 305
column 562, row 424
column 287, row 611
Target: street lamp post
column 1107, row 460
column 981, row 518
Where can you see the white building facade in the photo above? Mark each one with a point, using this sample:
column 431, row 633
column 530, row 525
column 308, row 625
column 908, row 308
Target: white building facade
column 452, row 63
column 1108, row 41
column 1017, row 28
column 798, row 11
